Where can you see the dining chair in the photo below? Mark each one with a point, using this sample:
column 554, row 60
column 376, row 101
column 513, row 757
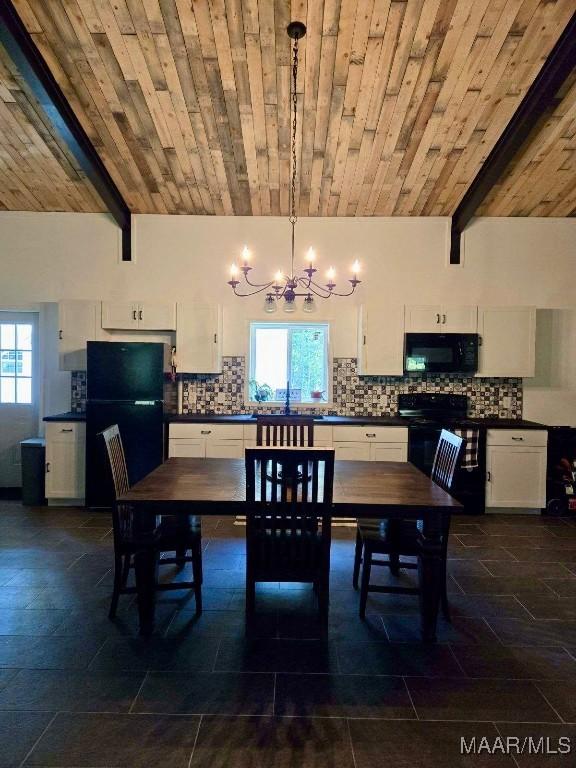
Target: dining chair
column 285, row 431
column 400, row 538
column 171, row 534
column 288, row 519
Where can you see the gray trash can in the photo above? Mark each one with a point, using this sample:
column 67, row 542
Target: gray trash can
column 33, row 452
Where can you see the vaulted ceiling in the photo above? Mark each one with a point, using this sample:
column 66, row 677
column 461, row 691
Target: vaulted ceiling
column 187, row 104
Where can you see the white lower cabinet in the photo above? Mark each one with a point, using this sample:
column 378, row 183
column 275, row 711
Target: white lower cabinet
column 366, row 443
column 65, row 460
column 206, row 441
column 516, row 469
column 228, row 441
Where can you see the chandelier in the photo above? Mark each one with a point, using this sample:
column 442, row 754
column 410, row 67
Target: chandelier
column 289, row 287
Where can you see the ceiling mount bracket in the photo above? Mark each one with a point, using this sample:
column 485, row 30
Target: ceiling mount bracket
column 296, row 30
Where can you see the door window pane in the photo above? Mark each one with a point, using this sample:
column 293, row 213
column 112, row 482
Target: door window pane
column 7, row 362
column 7, row 390
column 23, row 336
column 23, row 363
column 7, row 336
column 24, row 391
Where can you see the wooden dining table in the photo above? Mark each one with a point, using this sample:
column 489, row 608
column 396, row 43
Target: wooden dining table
column 217, row 487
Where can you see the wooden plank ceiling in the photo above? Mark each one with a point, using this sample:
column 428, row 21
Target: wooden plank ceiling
column 37, row 173
column 400, row 102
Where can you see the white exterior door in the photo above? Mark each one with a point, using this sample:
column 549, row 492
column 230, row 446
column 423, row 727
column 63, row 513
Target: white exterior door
column 19, row 388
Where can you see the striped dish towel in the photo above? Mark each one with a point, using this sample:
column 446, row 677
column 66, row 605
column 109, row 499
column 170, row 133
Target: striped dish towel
column 470, row 453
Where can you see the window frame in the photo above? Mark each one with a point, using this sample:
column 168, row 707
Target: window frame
column 275, row 404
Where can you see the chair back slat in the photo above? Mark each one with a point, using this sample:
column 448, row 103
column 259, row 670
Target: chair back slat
column 446, row 459
column 122, row 515
column 285, row 431
column 289, row 500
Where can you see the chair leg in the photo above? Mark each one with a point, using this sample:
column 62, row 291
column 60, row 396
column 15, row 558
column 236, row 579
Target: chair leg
column 118, row 583
column 366, row 567
column 180, row 555
column 126, row 570
column 250, row 595
column 444, row 593
column 197, row 575
column 357, row 559
column 394, row 564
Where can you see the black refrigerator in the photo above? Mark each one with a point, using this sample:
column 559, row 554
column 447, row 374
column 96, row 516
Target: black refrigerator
column 125, row 386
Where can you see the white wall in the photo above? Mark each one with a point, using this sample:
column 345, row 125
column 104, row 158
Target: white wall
column 50, row 256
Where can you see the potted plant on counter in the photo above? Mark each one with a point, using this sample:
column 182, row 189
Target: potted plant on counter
column 260, row 392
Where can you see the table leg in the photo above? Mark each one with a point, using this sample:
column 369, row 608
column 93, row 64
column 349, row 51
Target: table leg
column 430, row 574
column 146, row 570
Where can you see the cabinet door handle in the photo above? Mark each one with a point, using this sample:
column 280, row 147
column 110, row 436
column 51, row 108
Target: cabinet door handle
column 488, row 476
column 437, row 318
column 140, row 314
column 66, row 430
column 518, row 438
column 364, row 340
column 205, row 431
column 47, row 467
column 443, row 319
column 134, row 316
column 370, row 434
column 215, row 338
column 60, row 335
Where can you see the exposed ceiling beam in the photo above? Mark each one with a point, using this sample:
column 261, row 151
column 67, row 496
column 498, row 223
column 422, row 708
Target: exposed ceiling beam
column 39, row 80
column 538, row 99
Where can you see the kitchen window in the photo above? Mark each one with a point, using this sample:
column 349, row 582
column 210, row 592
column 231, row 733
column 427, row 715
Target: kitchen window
column 16, row 363
column 289, row 352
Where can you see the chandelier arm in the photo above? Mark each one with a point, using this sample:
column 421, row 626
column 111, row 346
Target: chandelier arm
column 343, row 295
column 258, row 285
column 311, row 287
column 251, row 293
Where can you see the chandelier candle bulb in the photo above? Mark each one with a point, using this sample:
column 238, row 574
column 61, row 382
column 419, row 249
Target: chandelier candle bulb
column 245, row 255
column 356, row 268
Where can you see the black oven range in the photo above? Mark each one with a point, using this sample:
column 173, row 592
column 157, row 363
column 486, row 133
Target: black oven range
column 427, row 414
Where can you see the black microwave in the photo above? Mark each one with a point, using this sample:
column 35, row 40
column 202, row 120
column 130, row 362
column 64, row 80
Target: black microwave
column 441, row 353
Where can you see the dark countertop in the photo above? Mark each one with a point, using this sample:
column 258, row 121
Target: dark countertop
column 207, row 418
column 68, row 416
column 381, row 421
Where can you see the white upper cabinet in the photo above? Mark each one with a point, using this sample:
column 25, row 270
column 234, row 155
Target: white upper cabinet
column 381, row 341
column 138, row 316
column 507, row 341
column 78, row 323
column 199, row 339
column 120, row 315
column 441, row 318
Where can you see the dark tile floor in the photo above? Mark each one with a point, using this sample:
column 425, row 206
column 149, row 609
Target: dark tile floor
column 79, row 690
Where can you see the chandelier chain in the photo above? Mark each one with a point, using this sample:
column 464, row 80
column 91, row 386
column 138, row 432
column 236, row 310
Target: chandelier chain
column 294, row 105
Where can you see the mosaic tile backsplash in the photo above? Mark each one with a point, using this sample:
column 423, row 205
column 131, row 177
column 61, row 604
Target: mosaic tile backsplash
column 352, row 396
